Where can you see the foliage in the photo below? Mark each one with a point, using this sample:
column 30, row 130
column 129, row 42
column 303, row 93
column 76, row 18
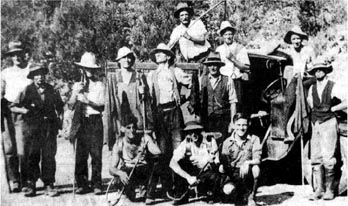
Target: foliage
column 67, row 28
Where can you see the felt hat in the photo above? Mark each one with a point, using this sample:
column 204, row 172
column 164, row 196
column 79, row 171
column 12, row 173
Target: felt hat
column 37, row 69
column 226, row 25
column 193, row 125
column 123, row 52
column 88, row 60
column 321, row 64
column 14, row 46
column 295, row 30
column 213, row 58
column 183, row 6
column 161, row 48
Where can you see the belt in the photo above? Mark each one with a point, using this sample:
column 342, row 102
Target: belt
column 167, row 106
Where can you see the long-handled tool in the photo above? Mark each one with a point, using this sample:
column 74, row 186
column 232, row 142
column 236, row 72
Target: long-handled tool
column 195, row 21
column 197, row 181
column 110, row 203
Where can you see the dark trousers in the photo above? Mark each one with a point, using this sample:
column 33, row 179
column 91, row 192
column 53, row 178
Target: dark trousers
column 140, row 176
column 168, row 126
column 42, row 146
column 209, row 180
column 243, row 186
column 219, row 123
column 89, row 142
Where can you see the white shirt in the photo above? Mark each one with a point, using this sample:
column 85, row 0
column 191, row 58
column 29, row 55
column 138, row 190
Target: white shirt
column 302, row 60
column 188, row 48
column 336, row 92
column 236, row 50
column 166, row 82
column 96, row 94
column 15, row 80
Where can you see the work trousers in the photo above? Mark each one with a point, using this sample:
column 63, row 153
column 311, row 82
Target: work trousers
column 89, row 142
column 324, row 143
column 14, row 141
column 42, row 146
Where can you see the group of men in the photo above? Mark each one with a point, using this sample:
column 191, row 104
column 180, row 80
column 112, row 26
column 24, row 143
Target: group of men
column 181, row 156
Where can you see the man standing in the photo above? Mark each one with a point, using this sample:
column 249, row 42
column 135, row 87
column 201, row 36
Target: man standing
column 320, row 98
column 240, row 158
column 40, row 103
column 218, row 98
column 14, row 80
column 168, row 118
column 236, row 61
column 128, row 83
column 90, row 95
column 191, row 37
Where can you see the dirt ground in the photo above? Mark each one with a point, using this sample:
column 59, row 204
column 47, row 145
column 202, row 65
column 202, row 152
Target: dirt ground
column 279, row 194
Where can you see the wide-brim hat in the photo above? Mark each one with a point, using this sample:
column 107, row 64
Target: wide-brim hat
column 321, row 65
column 88, row 60
column 14, row 46
column 193, row 125
column 295, row 30
column 37, row 69
column 213, row 58
column 123, row 52
column 183, row 6
column 161, row 48
column 226, row 25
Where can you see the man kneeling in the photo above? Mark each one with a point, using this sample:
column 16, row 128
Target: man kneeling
column 240, row 158
column 125, row 154
column 195, row 161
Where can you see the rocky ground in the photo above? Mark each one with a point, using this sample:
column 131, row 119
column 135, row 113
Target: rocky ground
column 278, row 194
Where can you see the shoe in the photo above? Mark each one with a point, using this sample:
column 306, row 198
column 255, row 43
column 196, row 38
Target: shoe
column 150, row 201
column 81, row 190
column 31, row 192
column 97, row 191
column 51, row 191
column 15, row 187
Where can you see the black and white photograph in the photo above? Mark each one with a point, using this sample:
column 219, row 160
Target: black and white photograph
column 174, row 102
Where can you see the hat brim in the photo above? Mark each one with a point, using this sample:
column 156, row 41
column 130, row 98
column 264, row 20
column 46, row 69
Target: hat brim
column 222, row 31
column 13, row 51
column 133, row 56
column 193, row 127
column 43, row 71
column 219, row 63
column 326, row 69
column 287, row 38
column 155, row 51
column 87, row 66
column 177, row 12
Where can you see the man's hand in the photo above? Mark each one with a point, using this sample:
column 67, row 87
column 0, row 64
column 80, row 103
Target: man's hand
column 244, row 169
column 230, row 127
column 141, row 89
column 186, row 36
column 191, row 180
column 200, row 163
column 82, row 98
column 123, row 177
column 79, row 87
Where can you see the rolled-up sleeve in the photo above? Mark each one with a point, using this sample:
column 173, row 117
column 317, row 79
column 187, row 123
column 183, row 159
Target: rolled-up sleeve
column 183, row 77
column 232, row 96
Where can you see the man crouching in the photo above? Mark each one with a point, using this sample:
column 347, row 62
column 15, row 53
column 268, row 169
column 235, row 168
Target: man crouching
column 195, row 161
column 130, row 147
column 240, row 158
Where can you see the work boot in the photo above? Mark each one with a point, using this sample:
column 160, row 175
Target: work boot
column 51, row 191
column 329, row 179
column 318, row 175
column 31, row 192
column 14, row 185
